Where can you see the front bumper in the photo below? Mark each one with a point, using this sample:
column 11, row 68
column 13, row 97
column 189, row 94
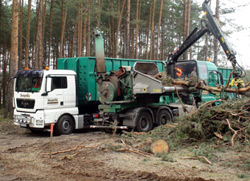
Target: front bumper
column 32, row 120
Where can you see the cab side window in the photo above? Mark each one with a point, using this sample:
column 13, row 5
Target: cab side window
column 59, row 83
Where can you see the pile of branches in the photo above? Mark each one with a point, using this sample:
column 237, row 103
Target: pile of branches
column 229, row 118
column 228, row 122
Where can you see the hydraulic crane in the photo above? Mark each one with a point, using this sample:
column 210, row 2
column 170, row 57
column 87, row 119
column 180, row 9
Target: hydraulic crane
column 207, row 26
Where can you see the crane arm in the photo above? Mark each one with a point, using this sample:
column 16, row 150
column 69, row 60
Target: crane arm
column 214, row 28
column 209, row 26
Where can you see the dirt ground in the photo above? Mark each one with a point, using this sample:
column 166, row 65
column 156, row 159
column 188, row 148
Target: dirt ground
column 94, row 155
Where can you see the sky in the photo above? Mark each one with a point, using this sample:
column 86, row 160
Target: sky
column 239, row 40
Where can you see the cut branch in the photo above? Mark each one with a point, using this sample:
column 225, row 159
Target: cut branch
column 211, row 89
column 69, row 150
column 135, row 151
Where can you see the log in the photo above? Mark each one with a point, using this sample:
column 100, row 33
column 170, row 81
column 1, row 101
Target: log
column 159, row 146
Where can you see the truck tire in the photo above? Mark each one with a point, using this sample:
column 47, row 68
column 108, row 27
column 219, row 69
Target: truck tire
column 65, row 125
column 163, row 117
column 144, row 122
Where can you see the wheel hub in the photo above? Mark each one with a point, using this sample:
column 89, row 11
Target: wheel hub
column 143, row 123
column 163, row 120
column 66, row 125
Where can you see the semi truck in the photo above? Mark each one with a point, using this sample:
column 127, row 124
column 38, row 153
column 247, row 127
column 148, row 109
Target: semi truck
column 68, row 97
column 100, row 92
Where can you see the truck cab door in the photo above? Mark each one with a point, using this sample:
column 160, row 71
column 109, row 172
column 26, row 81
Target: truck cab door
column 215, row 79
column 55, row 97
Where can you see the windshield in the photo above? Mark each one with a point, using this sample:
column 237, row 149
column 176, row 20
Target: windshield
column 28, row 82
column 185, row 69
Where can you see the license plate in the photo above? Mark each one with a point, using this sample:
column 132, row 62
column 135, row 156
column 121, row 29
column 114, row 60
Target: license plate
column 23, row 125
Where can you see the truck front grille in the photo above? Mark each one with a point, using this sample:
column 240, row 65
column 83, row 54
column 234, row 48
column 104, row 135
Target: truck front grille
column 25, row 103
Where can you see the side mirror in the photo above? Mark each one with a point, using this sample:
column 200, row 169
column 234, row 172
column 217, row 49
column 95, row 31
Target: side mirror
column 48, row 84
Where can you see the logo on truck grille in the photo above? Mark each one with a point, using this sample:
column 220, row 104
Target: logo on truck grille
column 25, row 103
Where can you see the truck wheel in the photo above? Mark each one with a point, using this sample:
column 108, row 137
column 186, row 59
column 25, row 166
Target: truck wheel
column 64, row 125
column 163, row 117
column 144, row 122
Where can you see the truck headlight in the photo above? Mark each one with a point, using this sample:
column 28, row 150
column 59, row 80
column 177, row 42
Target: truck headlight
column 17, row 119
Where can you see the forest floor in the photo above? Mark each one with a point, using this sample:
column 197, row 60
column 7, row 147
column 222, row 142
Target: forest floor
column 94, row 155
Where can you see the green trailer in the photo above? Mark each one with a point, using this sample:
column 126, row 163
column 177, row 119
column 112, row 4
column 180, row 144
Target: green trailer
column 88, row 99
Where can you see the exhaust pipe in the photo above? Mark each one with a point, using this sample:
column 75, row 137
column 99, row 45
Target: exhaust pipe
column 99, row 51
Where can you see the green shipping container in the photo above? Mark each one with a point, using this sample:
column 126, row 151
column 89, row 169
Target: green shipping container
column 84, row 68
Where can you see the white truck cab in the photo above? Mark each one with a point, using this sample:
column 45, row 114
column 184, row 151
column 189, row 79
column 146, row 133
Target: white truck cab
column 45, row 97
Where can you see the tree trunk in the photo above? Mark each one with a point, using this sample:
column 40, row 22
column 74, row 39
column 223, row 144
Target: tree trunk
column 72, row 45
column 50, row 31
column 34, row 60
column 216, row 49
column 149, row 27
column 162, row 41
column 99, row 13
column 39, row 43
column 131, row 49
column 207, row 55
column 13, row 65
column 1, row 4
column 27, row 36
column 128, row 30
column 137, row 27
column 43, row 61
column 120, row 11
column 112, row 23
column 20, row 63
column 186, row 27
column 84, row 44
column 152, row 44
column 158, row 34
column 4, row 67
column 184, row 20
column 63, row 22
column 206, row 48
column 88, row 30
column 108, row 46
column 79, row 29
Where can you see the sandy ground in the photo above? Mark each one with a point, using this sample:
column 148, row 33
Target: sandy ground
column 93, row 155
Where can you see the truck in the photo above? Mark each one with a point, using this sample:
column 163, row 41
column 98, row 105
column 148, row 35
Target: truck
column 99, row 92
column 68, row 97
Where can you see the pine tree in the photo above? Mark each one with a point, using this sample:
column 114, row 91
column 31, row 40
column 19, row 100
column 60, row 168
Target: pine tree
column 13, row 66
column 50, row 32
column 27, row 41
column 20, row 36
column 217, row 9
